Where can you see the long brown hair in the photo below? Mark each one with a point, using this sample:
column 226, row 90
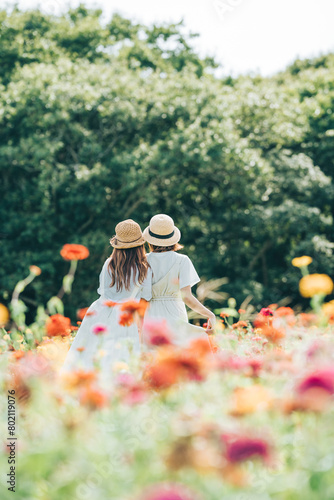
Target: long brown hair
column 158, row 249
column 122, row 261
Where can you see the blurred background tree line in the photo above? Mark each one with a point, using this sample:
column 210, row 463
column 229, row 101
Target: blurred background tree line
column 103, row 122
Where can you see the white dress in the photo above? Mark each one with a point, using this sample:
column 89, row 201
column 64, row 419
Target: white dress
column 119, row 342
column 171, row 272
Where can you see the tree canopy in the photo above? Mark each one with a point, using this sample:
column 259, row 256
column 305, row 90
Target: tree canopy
column 103, row 122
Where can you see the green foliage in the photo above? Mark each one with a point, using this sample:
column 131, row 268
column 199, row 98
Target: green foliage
column 104, row 122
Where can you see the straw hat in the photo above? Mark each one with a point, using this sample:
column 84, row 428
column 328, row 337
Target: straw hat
column 161, row 231
column 128, row 235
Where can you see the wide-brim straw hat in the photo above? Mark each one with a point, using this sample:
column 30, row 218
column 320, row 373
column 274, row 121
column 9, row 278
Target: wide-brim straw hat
column 128, row 235
column 162, row 232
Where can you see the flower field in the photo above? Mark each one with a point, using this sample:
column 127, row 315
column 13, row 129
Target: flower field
column 252, row 418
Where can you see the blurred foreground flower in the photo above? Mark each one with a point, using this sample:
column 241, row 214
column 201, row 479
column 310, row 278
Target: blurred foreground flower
column 315, row 284
column 72, row 251
column 167, row 492
column 156, row 333
column 240, row 448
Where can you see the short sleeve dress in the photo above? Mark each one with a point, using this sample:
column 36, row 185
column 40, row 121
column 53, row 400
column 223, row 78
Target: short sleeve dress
column 171, row 272
column 119, row 342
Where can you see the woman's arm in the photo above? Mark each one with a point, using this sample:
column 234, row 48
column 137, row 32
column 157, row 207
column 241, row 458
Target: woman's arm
column 196, row 306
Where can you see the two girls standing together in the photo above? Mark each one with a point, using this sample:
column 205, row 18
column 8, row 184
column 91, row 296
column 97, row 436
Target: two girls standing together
column 162, row 277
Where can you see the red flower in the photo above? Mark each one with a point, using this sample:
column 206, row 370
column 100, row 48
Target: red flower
column 266, row 311
column 58, row 325
column 241, row 448
column 319, row 379
column 156, row 332
column 71, row 251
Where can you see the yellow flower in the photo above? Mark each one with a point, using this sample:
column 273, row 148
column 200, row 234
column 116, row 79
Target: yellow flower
column 250, row 399
column 4, row 315
column 303, row 261
column 328, row 309
column 314, row 284
column 120, row 366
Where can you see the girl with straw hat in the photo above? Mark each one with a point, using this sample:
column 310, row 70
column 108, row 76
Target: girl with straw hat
column 125, row 275
column 173, row 277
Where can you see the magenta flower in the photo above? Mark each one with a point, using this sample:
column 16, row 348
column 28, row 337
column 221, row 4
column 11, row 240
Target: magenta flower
column 319, row 379
column 241, row 448
column 157, row 333
column 99, row 329
column 266, row 311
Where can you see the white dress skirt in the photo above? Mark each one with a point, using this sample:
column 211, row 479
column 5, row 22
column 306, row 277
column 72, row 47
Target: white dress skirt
column 119, row 342
column 171, row 272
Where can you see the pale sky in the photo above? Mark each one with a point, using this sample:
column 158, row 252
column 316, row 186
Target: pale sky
column 245, row 35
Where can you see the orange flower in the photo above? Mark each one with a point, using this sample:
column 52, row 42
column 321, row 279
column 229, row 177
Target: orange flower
column 81, row 313
column 224, row 315
column 110, row 303
column 71, row 251
column 58, row 325
column 273, row 334
column 240, row 324
column 93, row 398
column 172, row 366
column 200, row 347
column 17, row 354
column 79, row 378
column 35, row 270
column 126, row 319
column 80, row 349
column 250, row 400
column 133, row 306
column 284, row 311
column 241, row 311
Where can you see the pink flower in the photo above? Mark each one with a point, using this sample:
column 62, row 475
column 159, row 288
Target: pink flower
column 266, row 311
column 241, row 448
column 99, row 329
column 167, row 492
column 319, row 379
column 156, row 332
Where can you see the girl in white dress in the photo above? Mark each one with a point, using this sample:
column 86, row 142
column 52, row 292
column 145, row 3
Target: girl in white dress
column 173, row 277
column 125, row 275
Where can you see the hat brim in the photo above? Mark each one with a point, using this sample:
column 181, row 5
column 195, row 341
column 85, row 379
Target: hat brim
column 162, row 242
column 120, row 245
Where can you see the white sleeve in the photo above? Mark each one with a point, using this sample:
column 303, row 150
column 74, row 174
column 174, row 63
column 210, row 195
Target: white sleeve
column 187, row 275
column 146, row 290
column 104, row 281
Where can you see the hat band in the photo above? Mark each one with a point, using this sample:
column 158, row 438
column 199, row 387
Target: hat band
column 120, row 241
column 161, row 236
